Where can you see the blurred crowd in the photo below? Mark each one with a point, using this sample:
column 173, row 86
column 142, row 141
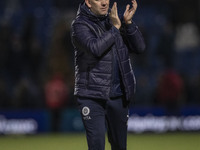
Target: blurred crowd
column 36, row 54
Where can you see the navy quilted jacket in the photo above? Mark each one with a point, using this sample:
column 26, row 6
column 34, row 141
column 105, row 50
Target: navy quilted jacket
column 94, row 39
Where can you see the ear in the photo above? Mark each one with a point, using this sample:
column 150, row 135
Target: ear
column 88, row 3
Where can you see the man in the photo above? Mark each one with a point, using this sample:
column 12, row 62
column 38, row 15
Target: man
column 104, row 79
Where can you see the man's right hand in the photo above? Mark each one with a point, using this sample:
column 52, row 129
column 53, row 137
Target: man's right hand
column 114, row 16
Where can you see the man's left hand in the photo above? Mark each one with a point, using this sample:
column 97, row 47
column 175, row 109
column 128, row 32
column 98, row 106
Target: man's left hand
column 128, row 14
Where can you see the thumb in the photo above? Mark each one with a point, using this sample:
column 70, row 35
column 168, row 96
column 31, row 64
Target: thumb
column 127, row 8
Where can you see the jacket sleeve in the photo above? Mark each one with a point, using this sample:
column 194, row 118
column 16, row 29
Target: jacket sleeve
column 84, row 37
column 133, row 38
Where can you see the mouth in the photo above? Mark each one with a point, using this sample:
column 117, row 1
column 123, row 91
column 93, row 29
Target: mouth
column 104, row 9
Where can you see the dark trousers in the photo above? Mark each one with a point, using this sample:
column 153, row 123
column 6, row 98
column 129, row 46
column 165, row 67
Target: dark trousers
column 99, row 115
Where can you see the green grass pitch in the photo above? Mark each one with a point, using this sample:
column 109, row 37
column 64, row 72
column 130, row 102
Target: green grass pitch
column 66, row 141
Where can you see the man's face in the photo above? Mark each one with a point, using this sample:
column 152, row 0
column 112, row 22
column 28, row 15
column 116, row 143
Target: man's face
column 98, row 7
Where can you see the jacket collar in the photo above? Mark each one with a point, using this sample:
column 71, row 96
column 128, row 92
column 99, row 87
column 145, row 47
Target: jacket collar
column 85, row 11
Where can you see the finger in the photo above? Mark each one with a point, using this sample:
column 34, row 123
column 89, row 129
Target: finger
column 112, row 9
column 126, row 10
column 134, row 3
column 127, row 7
column 134, row 6
column 116, row 8
column 112, row 6
column 132, row 9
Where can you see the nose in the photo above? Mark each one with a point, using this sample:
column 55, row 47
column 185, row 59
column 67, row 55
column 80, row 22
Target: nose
column 104, row 2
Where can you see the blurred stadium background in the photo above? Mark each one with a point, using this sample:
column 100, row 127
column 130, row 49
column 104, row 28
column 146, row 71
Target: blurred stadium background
column 37, row 75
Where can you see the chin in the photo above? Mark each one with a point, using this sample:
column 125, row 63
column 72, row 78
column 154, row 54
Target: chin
column 103, row 14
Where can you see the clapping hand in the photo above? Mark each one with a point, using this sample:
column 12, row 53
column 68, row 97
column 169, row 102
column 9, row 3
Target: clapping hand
column 129, row 12
column 114, row 16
